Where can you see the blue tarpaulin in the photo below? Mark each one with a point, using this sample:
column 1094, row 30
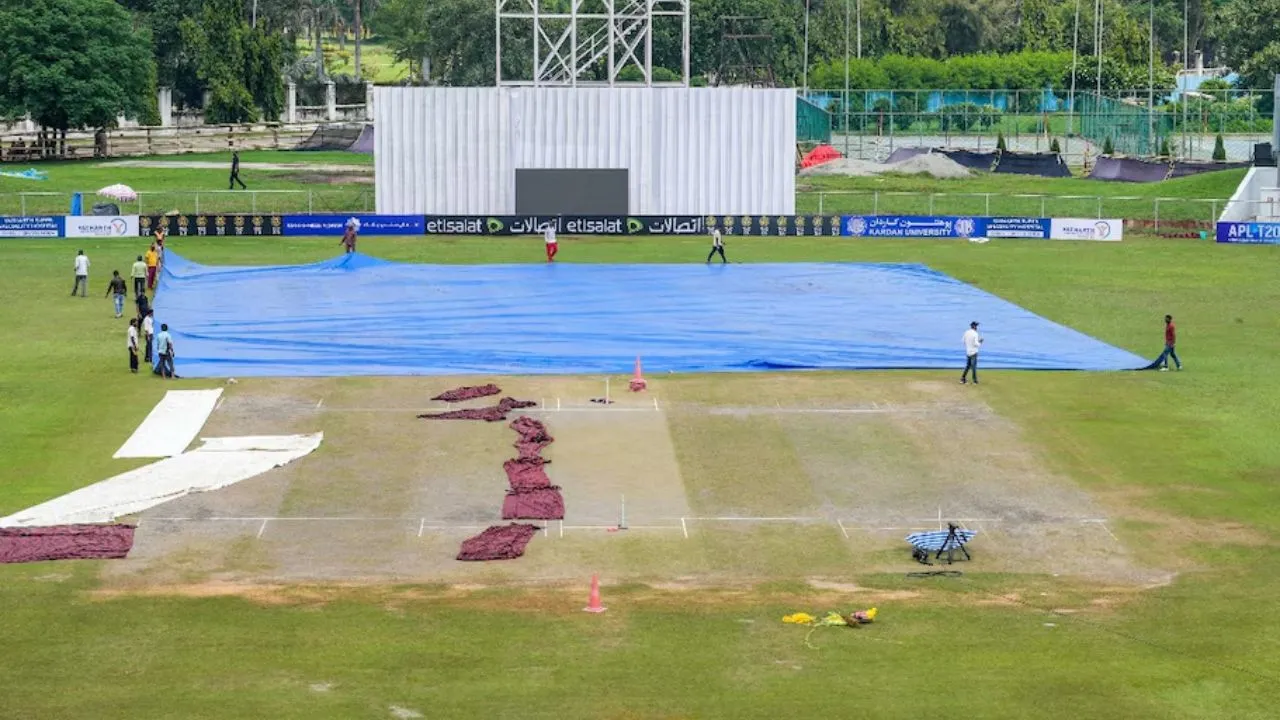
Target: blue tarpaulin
column 358, row 315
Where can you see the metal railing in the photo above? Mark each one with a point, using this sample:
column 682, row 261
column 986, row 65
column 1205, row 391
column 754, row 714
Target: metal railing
column 1160, row 213
column 195, row 202
column 871, row 124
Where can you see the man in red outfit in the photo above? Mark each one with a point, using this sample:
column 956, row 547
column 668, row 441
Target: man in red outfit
column 549, row 236
column 1170, row 341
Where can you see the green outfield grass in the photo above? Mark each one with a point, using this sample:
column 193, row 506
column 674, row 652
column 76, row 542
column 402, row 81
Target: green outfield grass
column 1191, row 457
column 1199, row 199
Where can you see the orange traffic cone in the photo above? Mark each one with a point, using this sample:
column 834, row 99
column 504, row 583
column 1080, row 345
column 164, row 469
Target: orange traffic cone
column 637, row 381
column 593, row 605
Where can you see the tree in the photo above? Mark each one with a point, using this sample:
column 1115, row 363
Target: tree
column 1246, row 46
column 240, row 64
column 74, row 63
column 1054, row 147
column 1219, row 150
column 400, row 24
column 1164, row 148
column 1000, row 143
column 1108, row 148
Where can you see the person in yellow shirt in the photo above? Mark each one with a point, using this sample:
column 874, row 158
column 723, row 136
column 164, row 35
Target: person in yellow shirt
column 153, row 261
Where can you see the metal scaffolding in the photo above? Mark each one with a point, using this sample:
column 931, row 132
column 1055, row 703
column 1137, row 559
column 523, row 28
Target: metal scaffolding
column 592, row 42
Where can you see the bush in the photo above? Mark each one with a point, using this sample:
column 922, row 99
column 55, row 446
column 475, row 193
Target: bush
column 1164, row 148
column 1000, row 144
column 1219, row 150
column 1054, row 147
column 1108, row 148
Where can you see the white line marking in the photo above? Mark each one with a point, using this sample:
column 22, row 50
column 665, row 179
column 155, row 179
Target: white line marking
column 218, row 404
column 685, row 528
column 757, row 519
column 319, row 403
column 939, row 517
column 557, row 403
column 655, row 402
column 263, row 528
column 422, row 526
column 562, row 528
column 545, row 531
column 1103, row 525
column 959, row 520
column 846, row 532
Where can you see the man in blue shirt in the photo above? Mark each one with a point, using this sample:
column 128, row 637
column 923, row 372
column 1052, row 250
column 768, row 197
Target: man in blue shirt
column 164, row 352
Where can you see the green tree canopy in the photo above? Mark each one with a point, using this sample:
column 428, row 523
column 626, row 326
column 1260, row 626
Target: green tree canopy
column 241, row 65
column 73, row 63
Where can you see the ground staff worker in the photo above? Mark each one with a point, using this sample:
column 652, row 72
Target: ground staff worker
column 139, row 275
column 972, row 342
column 717, row 245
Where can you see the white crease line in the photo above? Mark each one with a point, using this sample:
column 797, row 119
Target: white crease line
column 319, row 403
column 545, row 532
column 846, row 532
column 561, row 528
column 422, row 526
column 557, row 403
column 655, row 402
column 263, row 528
column 756, row 519
column 685, row 528
column 219, row 403
column 1103, row 525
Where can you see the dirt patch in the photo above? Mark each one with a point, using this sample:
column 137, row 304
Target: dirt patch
column 316, row 178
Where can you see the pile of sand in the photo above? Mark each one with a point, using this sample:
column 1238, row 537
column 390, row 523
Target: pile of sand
column 934, row 164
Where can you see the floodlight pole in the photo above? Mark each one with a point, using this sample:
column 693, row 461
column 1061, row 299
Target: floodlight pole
column 859, row 29
column 1075, row 50
column 1098, row 26
column 806, row 48
column 1151, row 71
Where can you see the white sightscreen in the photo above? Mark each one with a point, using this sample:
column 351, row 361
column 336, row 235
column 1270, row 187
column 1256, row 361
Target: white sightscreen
column 690, row 151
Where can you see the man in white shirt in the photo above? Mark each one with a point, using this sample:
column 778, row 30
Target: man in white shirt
column 549, row 236
column 82, row 275
column 133, row 345
column 148, row 331
column 717, row 245
column 972, row 341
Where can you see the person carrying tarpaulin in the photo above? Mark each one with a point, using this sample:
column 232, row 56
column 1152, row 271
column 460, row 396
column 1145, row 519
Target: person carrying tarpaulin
column 549, row 238
column 348, row 241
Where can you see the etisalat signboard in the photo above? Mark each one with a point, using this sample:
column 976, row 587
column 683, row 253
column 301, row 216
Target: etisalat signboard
column 564, row 224
column 759, row 225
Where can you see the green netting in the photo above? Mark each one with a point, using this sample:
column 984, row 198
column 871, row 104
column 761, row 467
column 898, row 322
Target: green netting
column 813, row 124
column 1133, row 129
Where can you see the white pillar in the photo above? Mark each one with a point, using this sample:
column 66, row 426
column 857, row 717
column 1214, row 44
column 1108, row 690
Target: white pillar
column 368, row 102
column 331, row 101
column 291, row 103
column 164, row 103
column 1275, row 116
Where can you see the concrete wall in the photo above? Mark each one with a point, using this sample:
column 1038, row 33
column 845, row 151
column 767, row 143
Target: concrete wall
column 1247, row 204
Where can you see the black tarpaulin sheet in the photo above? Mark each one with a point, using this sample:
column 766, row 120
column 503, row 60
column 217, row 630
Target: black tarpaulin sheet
column 1039, row 164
